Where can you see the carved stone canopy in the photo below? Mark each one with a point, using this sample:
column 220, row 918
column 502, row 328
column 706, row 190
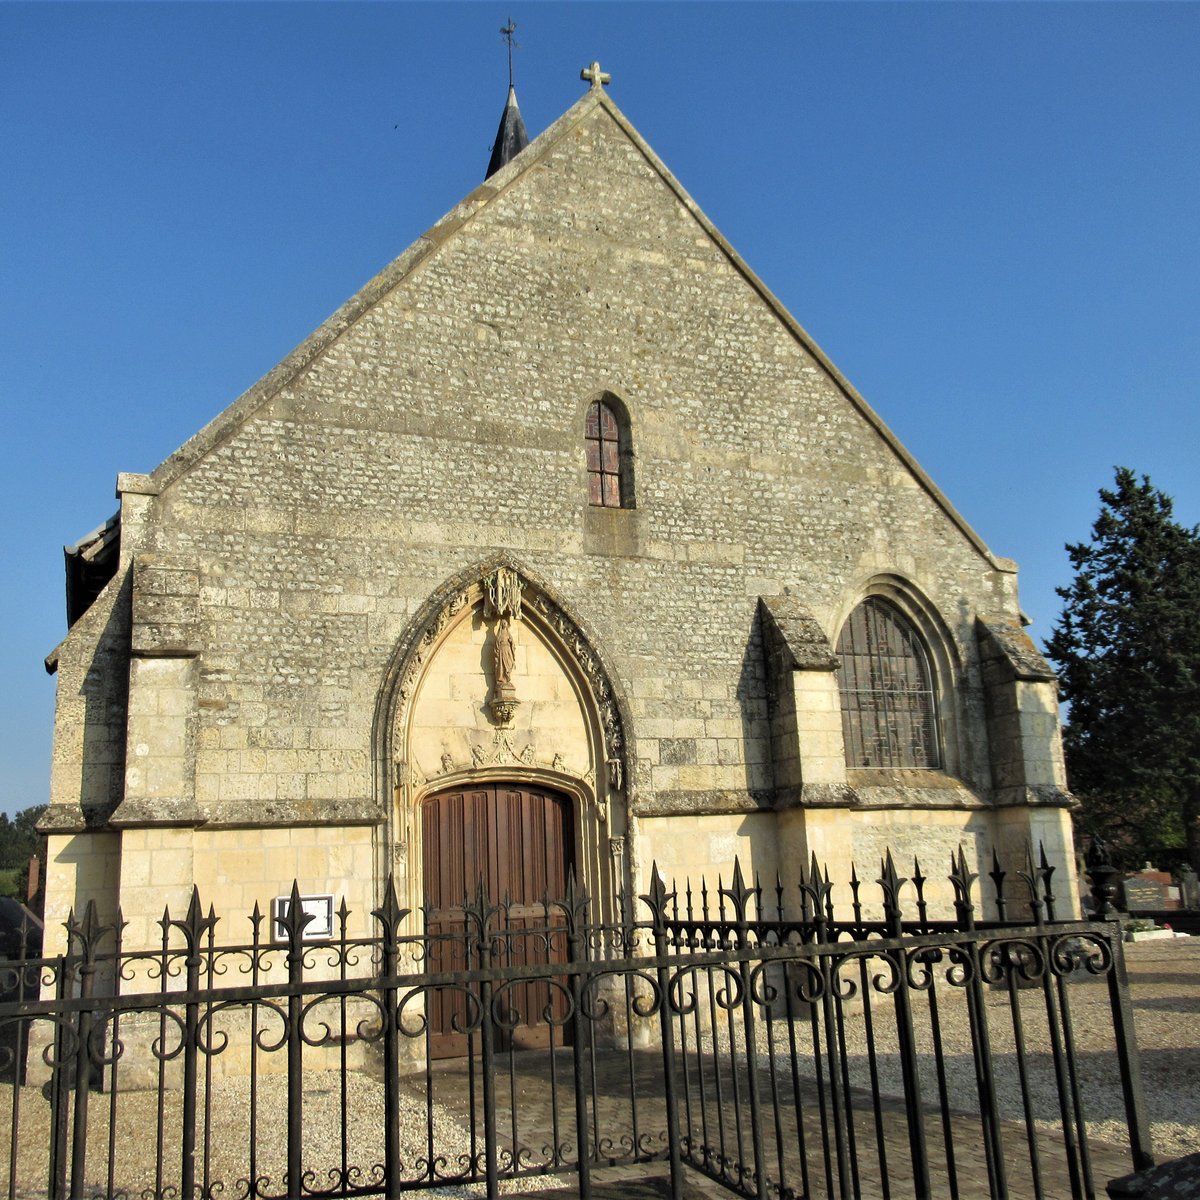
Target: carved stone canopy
column 502, row 594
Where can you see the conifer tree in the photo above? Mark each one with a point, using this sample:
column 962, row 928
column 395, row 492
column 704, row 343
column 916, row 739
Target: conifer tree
column 1127, row 648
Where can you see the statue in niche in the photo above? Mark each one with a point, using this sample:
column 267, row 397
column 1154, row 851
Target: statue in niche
column 504, row 655
column 504, row 702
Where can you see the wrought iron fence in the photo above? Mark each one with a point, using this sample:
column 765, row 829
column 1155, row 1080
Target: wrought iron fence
column 742, row 1031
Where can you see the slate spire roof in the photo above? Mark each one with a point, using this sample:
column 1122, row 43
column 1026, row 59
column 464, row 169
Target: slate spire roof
column 511, row 137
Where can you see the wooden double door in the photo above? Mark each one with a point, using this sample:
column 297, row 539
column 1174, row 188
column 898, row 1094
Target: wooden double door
column 519, row 842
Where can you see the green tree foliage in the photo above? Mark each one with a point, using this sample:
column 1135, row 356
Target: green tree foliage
column 1127, row 648
column 19, row 841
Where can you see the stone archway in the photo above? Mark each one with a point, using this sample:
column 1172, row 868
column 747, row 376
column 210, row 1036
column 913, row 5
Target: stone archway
column 495, row 683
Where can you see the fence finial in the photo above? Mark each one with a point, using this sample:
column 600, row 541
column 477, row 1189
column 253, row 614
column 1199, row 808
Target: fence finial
column 961, row 879
column 738, row 892
column 891, row 882
column 997, row 875
column 1032, row 883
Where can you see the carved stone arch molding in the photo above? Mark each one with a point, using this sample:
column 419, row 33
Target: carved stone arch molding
column 491, row 623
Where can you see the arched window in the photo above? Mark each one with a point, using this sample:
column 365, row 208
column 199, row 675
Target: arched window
column 889, row 718
column 606, row 440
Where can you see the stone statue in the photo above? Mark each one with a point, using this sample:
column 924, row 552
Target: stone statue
column 504, row 656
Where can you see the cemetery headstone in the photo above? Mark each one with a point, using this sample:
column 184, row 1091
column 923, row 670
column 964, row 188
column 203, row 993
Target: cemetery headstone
column 1144, row 892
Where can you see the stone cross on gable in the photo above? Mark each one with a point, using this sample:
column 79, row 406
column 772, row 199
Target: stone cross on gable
column 596, row 75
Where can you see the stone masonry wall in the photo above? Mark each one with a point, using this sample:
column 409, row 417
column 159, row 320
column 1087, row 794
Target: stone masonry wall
column 447, row 423
column 274, row 564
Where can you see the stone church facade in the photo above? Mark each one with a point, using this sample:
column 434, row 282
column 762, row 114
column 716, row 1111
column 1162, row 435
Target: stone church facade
column 561, row 532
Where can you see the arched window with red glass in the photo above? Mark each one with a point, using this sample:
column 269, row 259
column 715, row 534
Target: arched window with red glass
column 609, row 460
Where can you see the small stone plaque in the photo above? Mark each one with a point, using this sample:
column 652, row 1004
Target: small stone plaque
column 1144, row 894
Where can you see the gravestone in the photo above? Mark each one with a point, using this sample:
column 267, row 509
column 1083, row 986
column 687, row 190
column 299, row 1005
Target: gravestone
column 1189, row 888
column 1144, row 892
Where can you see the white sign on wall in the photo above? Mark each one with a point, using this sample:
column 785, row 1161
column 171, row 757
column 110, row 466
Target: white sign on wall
column 320, row 908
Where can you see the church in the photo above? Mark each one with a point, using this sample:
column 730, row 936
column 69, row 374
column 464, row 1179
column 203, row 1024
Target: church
column 560, row 546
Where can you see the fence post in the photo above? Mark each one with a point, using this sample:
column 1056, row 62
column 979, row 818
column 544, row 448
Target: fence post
column 60, row 1079
column 891, row 883
column 293, row 926
column 739, row 895
column 656, row 900
column 390, row 915
column 962, row 878
column 1127, row 1054
column 480, row 914
column 193, row 927
column 1102, row 878
column 87, row 933
column 818, row 891
column 574, row 906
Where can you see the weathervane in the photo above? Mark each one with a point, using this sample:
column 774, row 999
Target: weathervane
column 506, row 33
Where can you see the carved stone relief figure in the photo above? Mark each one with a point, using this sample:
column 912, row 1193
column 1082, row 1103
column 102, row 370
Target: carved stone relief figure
column 503, row 704
column 504, row 655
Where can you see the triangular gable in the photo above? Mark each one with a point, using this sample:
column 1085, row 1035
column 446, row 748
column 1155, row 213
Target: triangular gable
column 397, row 272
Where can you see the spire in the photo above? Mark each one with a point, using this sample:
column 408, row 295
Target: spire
column 511, row 137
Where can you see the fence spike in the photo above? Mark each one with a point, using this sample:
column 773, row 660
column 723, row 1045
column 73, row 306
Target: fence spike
column 855, row 893
column 961, row 878
column 389, row 913
column 891, row 882
column 919, row 883
column 656, row 897
column 997, row 875
column 1046, row 871
column 917, row 877
column 1030, row 878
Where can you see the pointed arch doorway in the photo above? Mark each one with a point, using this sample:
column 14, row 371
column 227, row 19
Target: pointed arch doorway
column 518, row 840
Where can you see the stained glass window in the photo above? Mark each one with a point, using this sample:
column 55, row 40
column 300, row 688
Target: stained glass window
column 889, row 718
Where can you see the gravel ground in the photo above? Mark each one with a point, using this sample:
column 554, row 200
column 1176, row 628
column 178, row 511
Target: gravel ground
column 1165, row 991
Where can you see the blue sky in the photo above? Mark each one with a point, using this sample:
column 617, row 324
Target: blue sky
column 986, row 214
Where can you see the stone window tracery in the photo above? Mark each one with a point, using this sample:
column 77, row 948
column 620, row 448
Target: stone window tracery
column 889, row 715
